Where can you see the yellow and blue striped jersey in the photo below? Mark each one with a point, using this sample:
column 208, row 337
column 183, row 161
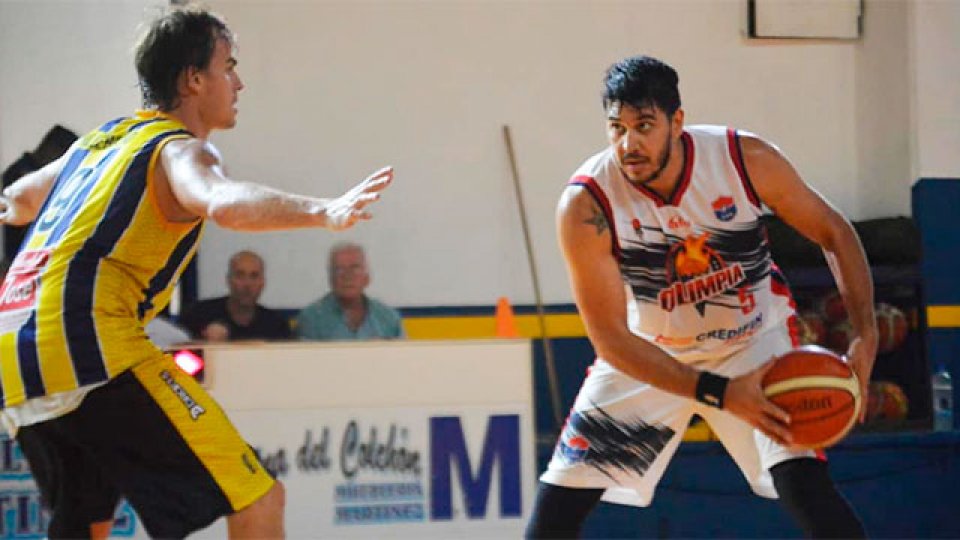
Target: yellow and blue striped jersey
column 97, row 264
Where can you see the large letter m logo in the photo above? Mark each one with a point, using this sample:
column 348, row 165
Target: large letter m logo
column 501, row 444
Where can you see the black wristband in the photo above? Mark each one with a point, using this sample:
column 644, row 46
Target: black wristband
column 711, row 388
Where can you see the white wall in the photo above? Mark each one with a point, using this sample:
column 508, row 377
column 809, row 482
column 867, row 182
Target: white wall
column 882, row 111
column 337, row 88
column 935, row 27
column 427, row 86
column 66, row 63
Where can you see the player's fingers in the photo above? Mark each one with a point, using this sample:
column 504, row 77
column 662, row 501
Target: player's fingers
column 863, row 382
column 382, row 176
column 375, row 186
column 776, row 430
column 361, row 201
column 368, row 198
column 773, row 411
column 777, row 437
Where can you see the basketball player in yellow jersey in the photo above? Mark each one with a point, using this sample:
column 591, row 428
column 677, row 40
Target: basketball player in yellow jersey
column 98, row 410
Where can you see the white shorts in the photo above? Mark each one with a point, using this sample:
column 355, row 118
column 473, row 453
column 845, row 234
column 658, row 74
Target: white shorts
column 622, row 433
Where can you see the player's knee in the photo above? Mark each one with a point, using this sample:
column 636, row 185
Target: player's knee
column 262, row 519
column 276, row 498
column 271, row 503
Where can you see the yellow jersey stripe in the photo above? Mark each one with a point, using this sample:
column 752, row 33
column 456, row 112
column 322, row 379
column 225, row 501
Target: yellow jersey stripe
column 103, row 260
column 204, row 427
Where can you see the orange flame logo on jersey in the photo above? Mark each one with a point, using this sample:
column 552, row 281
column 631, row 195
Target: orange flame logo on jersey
column 697, row 273
column 693, row 258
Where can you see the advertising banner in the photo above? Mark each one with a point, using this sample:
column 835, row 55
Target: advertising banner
column 436, row 442
column 398, row 473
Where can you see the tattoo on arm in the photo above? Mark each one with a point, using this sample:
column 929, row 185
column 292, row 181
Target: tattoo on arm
column 598, row 220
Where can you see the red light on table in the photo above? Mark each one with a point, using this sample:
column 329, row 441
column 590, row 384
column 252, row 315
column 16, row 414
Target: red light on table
column 189, row 361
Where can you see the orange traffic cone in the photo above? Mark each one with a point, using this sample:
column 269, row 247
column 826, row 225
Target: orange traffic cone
column 506, row 324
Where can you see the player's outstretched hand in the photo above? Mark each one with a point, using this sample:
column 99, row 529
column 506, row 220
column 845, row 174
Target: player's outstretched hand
column 346, row 210
column 744, row 397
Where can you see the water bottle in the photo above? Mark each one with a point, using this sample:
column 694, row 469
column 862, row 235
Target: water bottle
column 942, row 386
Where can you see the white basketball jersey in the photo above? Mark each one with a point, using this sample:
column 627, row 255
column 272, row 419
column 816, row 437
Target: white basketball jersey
column 697, row 264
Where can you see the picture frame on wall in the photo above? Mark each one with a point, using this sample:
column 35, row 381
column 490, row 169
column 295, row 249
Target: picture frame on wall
column 805, row 19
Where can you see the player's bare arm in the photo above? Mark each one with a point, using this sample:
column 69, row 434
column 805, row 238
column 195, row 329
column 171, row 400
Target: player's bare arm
column 585, row 240
column 193, row 174
column 780, row 187
column 20, row 201
column 598, row 220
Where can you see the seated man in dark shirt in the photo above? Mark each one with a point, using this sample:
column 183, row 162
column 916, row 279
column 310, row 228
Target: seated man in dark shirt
column 237, row 316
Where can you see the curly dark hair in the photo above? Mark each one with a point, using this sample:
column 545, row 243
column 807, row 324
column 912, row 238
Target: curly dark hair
column 181, row 38
column 642, row 81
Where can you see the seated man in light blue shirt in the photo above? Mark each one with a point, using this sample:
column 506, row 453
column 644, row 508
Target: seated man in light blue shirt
column 346, row 312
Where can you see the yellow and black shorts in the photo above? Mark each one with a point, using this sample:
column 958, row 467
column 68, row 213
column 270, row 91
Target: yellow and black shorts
column 153, row 436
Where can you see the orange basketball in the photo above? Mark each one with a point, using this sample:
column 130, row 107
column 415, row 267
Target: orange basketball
column 891, row 326
column 819, row 391
column 839, row 336
column 886, row 403
column 813, row 328
column 832, row 308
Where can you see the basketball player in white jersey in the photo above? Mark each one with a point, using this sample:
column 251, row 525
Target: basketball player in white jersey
column 672, row 274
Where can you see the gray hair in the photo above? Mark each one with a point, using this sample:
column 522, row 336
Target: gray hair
column 340, row 247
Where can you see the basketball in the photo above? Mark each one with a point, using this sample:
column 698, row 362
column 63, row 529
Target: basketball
column 891, row 327
column 819, row 391
column 886, row 403
column 813, row 328
column 831, row 307
column 839, row 336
